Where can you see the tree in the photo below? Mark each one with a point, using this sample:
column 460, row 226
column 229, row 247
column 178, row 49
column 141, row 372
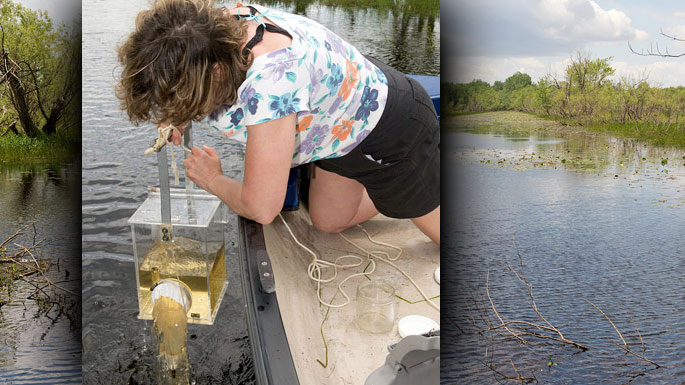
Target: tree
column 586, row 73
column 39, row 71
column 584, row 79
column 543, row 93
column 517, row 81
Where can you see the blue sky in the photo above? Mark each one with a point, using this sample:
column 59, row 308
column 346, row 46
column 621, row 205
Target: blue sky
column 492, row 39
column 60, row 11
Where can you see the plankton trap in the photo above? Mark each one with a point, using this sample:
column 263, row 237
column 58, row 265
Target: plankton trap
column 179, row 247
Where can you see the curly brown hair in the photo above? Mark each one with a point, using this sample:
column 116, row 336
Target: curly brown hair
column 182, row 61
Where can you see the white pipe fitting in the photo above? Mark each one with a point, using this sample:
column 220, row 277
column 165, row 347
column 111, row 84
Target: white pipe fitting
column 173, row 289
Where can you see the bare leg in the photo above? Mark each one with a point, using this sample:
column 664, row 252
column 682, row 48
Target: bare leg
column 337, row 203
column 429, row 224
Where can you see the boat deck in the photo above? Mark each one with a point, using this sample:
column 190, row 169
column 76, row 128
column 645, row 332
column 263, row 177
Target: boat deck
column 352, row 354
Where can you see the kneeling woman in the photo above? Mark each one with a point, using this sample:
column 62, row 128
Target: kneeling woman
column 294, row 93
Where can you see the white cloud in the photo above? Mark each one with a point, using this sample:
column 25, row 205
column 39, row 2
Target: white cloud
column 540, row 27
column 679, row 14
column 584, row 21
column 491, row 69
column 492, row 39
column 665, row 73
column 660, row 73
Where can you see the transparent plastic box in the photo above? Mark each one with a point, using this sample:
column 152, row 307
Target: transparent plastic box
column 191, row 249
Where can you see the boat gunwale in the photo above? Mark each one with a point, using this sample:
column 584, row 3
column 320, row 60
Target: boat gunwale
column 270, row 349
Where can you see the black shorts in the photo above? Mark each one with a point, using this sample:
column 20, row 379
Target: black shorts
column 399, row 162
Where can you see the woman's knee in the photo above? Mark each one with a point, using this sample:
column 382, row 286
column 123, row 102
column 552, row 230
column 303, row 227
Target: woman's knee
column 325, row 224
column 333, row 200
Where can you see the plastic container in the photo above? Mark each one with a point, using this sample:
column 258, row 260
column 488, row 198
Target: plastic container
column 191, row 249
column 376, row 307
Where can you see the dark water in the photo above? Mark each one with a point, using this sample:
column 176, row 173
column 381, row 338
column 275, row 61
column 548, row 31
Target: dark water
column 116, row 175
column 35, row 349
column 604, row 225
column 407, row 38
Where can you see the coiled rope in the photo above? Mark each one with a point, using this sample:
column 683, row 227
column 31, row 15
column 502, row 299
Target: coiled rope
column 317, row 265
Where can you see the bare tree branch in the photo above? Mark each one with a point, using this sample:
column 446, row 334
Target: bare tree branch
column 654, row 49
column 672, row 37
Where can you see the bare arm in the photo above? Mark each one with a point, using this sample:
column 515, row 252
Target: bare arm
column 268, row 155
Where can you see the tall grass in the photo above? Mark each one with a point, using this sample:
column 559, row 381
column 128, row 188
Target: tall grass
column 16, row 148
column 660, row 134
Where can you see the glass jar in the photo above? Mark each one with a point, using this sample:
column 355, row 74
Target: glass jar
column 376, row 307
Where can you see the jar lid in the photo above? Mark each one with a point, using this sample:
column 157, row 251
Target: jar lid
column 416, row 325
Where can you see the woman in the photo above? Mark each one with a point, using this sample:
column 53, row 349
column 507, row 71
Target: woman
column 303, row 95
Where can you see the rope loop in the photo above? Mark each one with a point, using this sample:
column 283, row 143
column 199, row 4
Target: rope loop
column 317, row 265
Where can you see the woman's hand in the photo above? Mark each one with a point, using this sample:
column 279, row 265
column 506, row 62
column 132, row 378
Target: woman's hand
column 268, row 154
column 203, row 166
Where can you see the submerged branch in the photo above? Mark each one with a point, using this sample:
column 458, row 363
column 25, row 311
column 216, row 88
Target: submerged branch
column 21, row 259
column 625, row 346
column 608, row 319
column 518, row 333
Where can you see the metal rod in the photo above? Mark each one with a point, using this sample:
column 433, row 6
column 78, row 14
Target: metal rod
column 189, row 185
column 164, row 192
column 188, row 142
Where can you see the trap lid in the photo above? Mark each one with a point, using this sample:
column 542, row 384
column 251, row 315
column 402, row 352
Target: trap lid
column 195, row 208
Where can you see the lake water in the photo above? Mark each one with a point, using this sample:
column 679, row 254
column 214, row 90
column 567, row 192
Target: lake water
column 593, row 217
column 34, row 349
column 116, row 345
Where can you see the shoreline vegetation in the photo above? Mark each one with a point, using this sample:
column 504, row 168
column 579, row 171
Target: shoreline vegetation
column 40, row 86
column 42, row 149
column 420, row 7
column 584, row 98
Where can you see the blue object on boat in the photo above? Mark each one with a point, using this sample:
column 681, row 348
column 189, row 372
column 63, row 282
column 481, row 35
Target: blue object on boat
column 291, row 199
column 432, row 86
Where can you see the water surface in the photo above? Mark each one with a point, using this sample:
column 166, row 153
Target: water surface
column 593, row 217
column 35, row 349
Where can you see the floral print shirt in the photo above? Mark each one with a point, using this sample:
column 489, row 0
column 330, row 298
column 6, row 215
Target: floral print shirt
column 337, row 94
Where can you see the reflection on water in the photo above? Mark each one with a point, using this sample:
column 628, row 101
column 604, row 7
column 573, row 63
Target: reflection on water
column 494, row 143
column 593, row 217
column 116, row 175
column 404, row 34
column 37, row 349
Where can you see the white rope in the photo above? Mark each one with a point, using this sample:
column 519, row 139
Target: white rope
column 389, row 261
column 317, row 265
column 161, row 141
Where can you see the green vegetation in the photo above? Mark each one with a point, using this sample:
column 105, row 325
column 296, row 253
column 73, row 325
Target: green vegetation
column 53, row 147
column 409, row 7
column 420, row 7
column 40, row 80
column 585, row 96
